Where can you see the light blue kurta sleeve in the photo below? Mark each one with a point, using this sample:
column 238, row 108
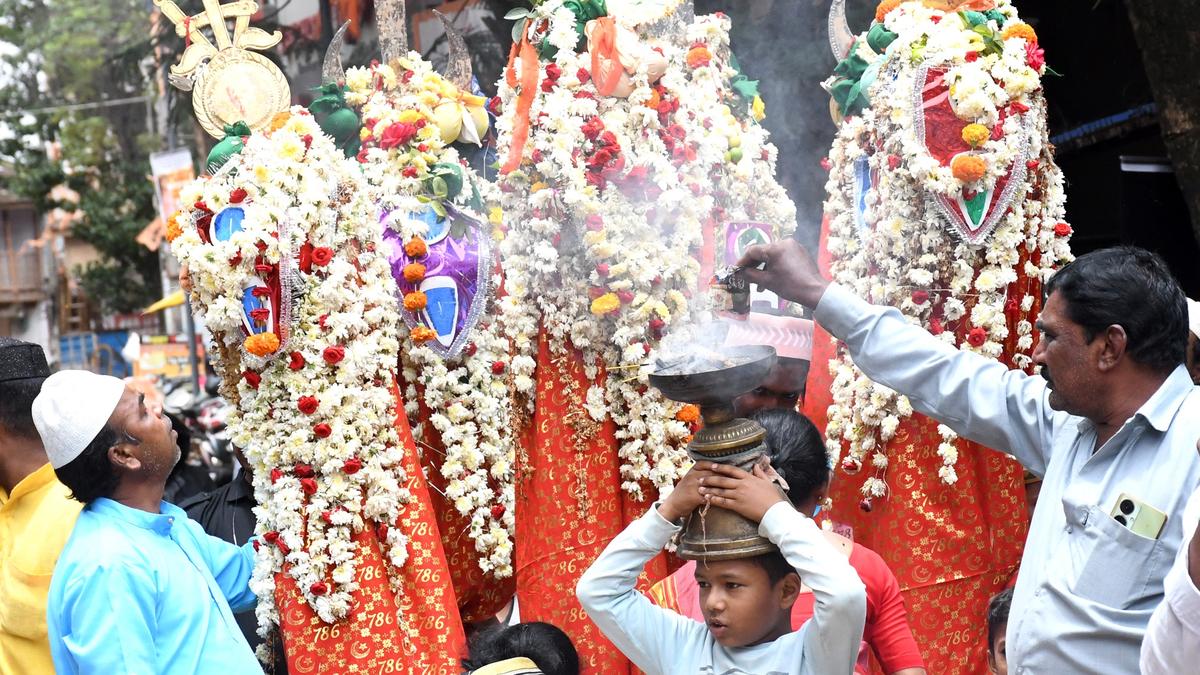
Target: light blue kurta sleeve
column 979, row 398
column 655, row 639
column 109, row 623
column 231, row 566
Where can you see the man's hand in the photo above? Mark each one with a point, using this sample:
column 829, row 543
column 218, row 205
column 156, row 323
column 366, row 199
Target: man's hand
column 788, row 270
column 686, row 495
column 185, row 278
column 749, row 494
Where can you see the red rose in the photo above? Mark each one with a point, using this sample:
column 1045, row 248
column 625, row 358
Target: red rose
column 625, row 296
column 977, row 337
column 309, row 485
column 548, row 85
column 826, row 164
column 1035, row 56
column 893, row 162
column 592, row 128
column 276, row 474
column 260, row 315
column 333, row 354
column 297, row 361
column 920, row 297
column 657, row 324
column 319, row 588
column 972, row 57
column 396, row 135
column 200, row 206
column 935, row 326
column 1062, row 229
column 237, row 196
column 307, row 139
column 602, row 269
column 322, row 430
column 595, row 222
column 583, row 75
column 409, row 172
column 252, row 378
column 498, row 511
column 327, row 516
column 308, row 404
column 495, row 106
column 553, row 71
column 352, row 466
column 322, row 255
column 497, row 367
column 271, row 537
column 470, row 349
column 1032, row 165
column 304, row 471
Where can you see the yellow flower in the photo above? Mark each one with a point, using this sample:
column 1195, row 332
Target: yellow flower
column 496, row 215
column 975, row 135
column 538, row 186
column 967, row 168
column 1020, row 30
column 758, row 109
column 606, row 304
column 411, row 116
column 291, row 148
column 173, row 228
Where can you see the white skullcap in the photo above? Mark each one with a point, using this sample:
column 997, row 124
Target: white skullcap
column 73, row 406
column 1194, row 316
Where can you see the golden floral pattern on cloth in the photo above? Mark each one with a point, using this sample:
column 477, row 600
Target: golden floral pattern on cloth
column 426, row 638
column 555, row 542
column 951, row 547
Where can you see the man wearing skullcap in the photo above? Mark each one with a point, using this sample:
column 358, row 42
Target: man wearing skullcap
column 36, row 513
column 1193, row 348
column 138, row 588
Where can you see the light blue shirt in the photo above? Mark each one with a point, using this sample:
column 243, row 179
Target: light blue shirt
column 142, row 593
column 1087, row 585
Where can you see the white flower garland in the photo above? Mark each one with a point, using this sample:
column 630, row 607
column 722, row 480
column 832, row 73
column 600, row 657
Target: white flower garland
column 467, row 395
column 605, row 219
column 314, row 416
column 903, row 259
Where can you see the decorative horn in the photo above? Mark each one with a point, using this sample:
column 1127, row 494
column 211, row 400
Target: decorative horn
column 841, row 38
column 393, row 29
column 332, row 71
column 458, row 62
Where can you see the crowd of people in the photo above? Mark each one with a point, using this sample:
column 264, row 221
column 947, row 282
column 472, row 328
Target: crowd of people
column 99, row 574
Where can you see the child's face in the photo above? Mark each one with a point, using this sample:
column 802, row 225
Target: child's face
column 997, row 654
column 740, row 605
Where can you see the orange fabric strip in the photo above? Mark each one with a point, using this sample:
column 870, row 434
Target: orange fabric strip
column 528, row 89
column 604, row 46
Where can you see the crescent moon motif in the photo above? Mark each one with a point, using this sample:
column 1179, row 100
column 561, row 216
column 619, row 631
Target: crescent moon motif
column 841, row 38
column 458, row 63
column 332, row 70
column 393, row 29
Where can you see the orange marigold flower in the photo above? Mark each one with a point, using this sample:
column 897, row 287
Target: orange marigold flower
column 688, row 414
column 975, row 135
column 414, row 272
column 173, row 228
column 967, row 168
column 415, row 301
column 655, row 99
column 416, row 248
column 698, row 56
column 421, row 334
column 606, row 304
column 262, row 344
column 280, row 119
column 1020, row 30
column 884, row 7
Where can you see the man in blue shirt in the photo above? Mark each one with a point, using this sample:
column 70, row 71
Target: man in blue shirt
column 1111, row 425
column 139, row 588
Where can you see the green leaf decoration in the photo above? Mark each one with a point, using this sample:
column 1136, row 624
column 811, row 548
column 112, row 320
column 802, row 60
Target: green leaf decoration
column 516, row 13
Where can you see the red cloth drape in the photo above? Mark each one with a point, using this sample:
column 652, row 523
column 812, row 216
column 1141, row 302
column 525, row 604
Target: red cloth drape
column 428, row 639
column 569, row 505
column 951, row 546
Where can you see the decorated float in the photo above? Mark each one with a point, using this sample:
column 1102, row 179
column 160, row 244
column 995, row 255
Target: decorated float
column 943, row 201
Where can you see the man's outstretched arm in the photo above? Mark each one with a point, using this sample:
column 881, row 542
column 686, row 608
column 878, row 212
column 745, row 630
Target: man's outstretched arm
column 978, row 397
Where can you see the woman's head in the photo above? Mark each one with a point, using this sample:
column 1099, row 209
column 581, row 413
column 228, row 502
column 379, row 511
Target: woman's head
column 542, row 643
column 797, row 452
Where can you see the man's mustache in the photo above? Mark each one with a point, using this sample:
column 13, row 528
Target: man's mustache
column 1046, row 375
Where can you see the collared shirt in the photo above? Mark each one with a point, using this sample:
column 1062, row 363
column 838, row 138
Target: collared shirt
column 140, row 592
column 1087, row 585
column 1172, row 643
column 35, row 521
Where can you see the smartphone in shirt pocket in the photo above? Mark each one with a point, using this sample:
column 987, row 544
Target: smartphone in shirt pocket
column 1138, row 516
column 1123, row 569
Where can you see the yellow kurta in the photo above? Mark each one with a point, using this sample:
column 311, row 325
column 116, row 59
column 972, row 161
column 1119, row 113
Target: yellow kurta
column 35, row 521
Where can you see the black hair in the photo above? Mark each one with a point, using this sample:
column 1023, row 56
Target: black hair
column 776, row 566
column 997, row 614
column 796, row 451
column 544, row 644
column 16, row 406
column 91, row 475
column 1132, row 288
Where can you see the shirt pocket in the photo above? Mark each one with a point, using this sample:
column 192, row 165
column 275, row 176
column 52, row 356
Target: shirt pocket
column 23, row 608
column 1120, row 564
